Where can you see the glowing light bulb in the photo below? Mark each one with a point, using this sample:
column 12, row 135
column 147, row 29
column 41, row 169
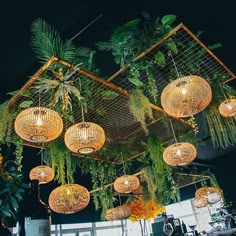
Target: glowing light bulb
column 68, row 191
column 178, row 152
column 39, row 121
column 229, row 106
column 183, row 91
column 126, row 182
column 42, row 174
column 83, row 134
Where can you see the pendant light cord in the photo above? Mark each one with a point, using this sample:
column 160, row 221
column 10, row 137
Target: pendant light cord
column 41, row 156
column 172, row 128
column 223, row 92
column 172, row 58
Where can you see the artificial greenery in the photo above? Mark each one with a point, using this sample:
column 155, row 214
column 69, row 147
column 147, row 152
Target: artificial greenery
column 140, row 108
column 135, row 36
column 47, row 42
column 102, row 173
column 222, row 130
column 12, row 188
column 61, row 161
column 6, row 121
column 159, row 175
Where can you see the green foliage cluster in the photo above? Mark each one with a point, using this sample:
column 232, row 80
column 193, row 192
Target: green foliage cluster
column 12, row 188
column 222, row 130
column 139, row 107
column 102, row 173
column 158, row 175
column 132, row 38
column 61, row 161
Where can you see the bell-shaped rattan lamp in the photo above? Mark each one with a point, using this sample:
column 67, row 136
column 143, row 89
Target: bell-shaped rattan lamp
column 126, row 184
column 186, row 96
column 84, row 137
column 69, row 198
column 38, row 124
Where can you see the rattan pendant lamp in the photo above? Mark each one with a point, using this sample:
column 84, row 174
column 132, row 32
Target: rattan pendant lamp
column 69, row 198
column 44, row 174
column 185, row 96
column 126, row 183
column 38, row 124
column 179, row 153
column 84, row 137
column 228, row 107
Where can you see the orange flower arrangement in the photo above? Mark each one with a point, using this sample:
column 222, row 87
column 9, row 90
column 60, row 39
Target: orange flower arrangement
column 145, row 210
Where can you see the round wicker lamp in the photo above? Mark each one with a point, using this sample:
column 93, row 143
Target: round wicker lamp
column 118, row 213
column 186, row 96
column 213, row 195
column 69, row 198
column 126, row 184
column 179, row 154
column 85, row 137
column 44, row 174
column 228, row 107
column 199, row 202
column 38, row 124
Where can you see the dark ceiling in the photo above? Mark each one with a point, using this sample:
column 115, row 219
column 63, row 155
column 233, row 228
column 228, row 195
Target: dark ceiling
column 215, row 18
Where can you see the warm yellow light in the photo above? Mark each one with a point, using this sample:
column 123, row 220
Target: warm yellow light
column 186, row 96
column 69, row 198
column 126, row 184
column 42, row 173
column 85, row 137
column 179, row 154
column 38, row 124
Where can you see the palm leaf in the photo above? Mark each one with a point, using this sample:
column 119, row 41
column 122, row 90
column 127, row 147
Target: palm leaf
column 105, row 46
column 46, row 42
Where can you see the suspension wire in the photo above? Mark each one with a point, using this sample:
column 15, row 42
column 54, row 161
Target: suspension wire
column 41, row 156
column 223, row 92
column 172, row 128
column 86, row 27
column 172, row 58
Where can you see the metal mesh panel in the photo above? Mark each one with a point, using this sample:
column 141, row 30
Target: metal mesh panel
column 113, row 115
column 184, row 54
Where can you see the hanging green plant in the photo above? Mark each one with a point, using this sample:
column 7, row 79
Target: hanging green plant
column 6, row 121
column 222, row 130
column 158, row 175
column 61, row 161
column 102, row 173
column 140, row 108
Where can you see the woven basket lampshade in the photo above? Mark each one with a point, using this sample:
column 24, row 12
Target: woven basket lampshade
column 69, row 198
column 179, row 154
column 126, row 184
column 44, row 174
column 186, row 96
column 228, row 107
column 85, row 137
column 199, row 202
column 38, row 124
column 118, row 213
column 213, row 195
